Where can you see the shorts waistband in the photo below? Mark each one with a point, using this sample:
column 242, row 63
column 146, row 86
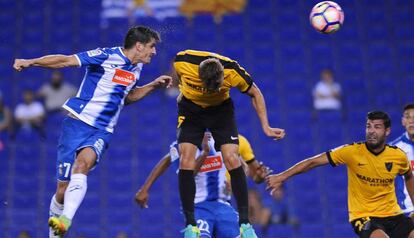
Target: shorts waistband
column 187, row 101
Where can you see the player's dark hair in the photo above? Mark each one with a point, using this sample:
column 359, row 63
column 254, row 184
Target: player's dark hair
column 408, row 106
column 380, row 115
column 141, row 34
column 211, row 72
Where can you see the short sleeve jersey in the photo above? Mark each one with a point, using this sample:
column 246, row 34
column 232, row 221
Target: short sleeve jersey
column 186, row 65
column 371, row 190
column 109, row 77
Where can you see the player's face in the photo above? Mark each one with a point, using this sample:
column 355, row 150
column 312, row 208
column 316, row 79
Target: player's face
column 147, row 51
column 408, row 122
column 376, row 133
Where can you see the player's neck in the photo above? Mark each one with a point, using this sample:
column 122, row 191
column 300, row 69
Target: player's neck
column 131, row 55
column 376, row 150
column 411, row 137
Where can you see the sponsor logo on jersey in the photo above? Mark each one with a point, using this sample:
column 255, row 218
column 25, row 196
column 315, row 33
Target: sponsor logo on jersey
column 93, row 53
column 123, row 77
column 211, row 163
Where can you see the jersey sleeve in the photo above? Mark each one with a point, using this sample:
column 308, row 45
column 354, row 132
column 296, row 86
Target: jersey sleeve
column 405, row 165
column 92, row 57
column 239, row 76
column 174, row 154
column 339, row 155
column 245, row 149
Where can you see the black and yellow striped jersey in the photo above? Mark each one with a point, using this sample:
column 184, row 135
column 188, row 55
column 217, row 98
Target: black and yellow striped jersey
column 371, row 190
column 186, row 65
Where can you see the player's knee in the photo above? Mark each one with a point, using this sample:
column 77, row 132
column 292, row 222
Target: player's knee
column 187, row 162
column 81, row 165
column 231, row 161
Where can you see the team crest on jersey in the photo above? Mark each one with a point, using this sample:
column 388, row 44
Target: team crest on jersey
column 93, row 53
column 388, row 166
column 123, row 77
column 211, row 163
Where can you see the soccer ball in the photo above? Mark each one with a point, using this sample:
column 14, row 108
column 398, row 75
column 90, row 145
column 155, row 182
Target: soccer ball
column 326, row 17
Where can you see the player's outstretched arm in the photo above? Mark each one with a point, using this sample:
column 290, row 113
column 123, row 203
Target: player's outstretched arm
column 258, row 171
column 47, row 61
column 274, row 182
column 259, row 104
column 137, row 94
column 141, row 197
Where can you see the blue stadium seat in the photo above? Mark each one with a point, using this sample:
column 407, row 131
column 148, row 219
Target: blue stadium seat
column 203, row 21
column 17, row 228
column 86, row 231
column 88, row 18
column 232, row 20
column 381, row 66
column 339, row 213
column 147, row 21
column 120, row 183
column 406, row 66
column 113, row 231
column 260, row 18
column 34, row 17
column 405, row 50
column 285, row 231
column 7, row 4
column 312, row 230
column 379, row 50
column 343, row 230
column 120, row 216
column 61, row 20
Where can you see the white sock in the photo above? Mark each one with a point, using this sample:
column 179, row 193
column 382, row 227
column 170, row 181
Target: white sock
column 74, row 194
column 55, row 210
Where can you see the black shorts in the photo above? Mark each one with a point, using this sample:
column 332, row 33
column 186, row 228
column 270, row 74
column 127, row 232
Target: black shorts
column 398, row 226
column 194, row 120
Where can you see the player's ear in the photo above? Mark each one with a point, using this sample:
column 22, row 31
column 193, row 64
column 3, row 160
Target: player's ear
column 387, row 131
column 139, row 46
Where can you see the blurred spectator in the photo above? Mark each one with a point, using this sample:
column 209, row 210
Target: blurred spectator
column 258, row 213
column 216, row 7
column 116, row 8
column 159, row 9
column 56, row 92
column 23, row 234
column 121, row 235
column 5, row 117
column 281, row 212
column 327, row 94
column 5, row 123
column 30, row 114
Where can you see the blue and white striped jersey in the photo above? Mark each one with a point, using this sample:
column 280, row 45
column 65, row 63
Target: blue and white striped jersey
column 211, row 179
column 403, row 142
column 109, row 77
